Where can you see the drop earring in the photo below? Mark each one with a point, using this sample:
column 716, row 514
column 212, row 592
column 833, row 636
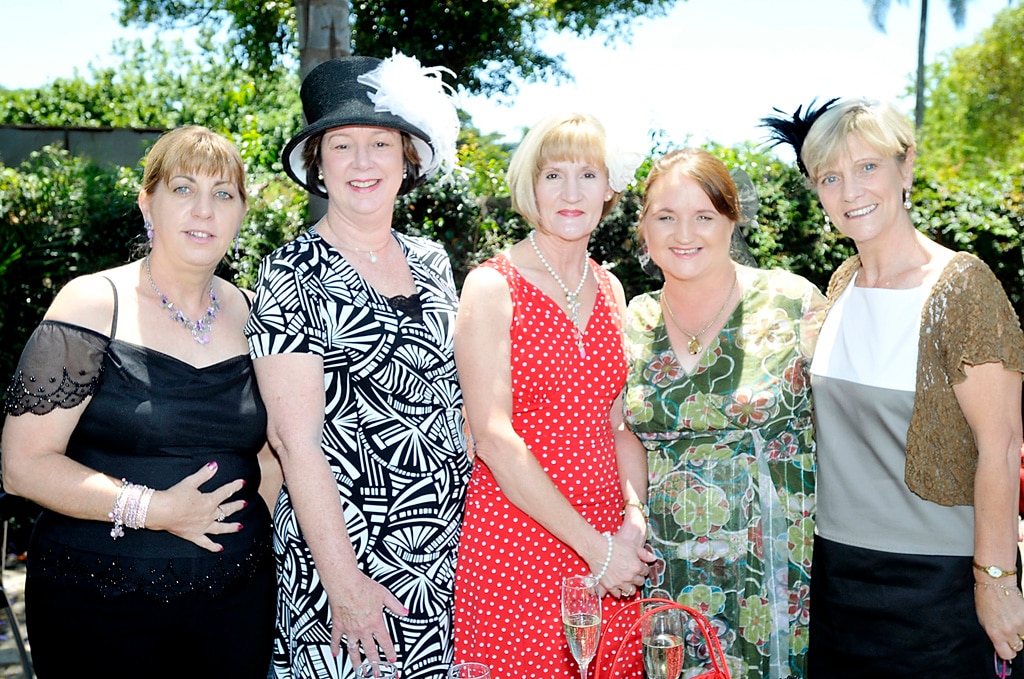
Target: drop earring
column 828, row 224
column 906, row 200
column 148, row 226
column 236, row 244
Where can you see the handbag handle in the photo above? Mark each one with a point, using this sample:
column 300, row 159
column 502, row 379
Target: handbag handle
column 719, row 667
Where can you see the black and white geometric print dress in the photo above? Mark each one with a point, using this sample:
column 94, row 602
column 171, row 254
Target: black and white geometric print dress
column 393, row 436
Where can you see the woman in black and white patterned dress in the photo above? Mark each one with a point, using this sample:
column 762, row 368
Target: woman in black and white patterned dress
column 351, row 334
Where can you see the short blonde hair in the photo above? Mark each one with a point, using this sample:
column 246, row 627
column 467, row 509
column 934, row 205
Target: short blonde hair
column 193, row 150
column 558, row 137
column 880, row 125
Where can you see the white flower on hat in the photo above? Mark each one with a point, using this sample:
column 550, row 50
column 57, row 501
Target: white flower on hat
column 418, row 95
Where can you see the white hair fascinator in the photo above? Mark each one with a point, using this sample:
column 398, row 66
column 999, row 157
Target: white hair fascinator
column 623, row 155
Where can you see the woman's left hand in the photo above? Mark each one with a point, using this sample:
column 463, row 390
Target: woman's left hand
column 1001, row 613
column 357, row 616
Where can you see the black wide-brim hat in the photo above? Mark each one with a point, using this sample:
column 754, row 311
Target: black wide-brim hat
column 333, row 97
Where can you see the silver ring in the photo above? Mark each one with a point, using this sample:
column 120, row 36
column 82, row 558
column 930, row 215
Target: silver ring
column 220, row 514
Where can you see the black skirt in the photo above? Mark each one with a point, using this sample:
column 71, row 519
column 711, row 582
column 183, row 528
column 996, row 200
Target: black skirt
column 880, row 614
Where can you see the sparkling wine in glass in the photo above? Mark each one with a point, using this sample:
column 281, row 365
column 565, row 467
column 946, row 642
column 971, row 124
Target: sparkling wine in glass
column 581, row 616
column 377, row 669
column 661, row 632
column 469, row 670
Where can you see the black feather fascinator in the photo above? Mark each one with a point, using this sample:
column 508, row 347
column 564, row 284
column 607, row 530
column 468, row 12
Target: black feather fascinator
column 792, row 130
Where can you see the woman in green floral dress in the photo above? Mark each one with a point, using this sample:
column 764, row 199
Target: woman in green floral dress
column 718, row 394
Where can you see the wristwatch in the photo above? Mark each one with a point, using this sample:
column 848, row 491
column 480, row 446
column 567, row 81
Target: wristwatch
column 639, row 505
column 994, row 571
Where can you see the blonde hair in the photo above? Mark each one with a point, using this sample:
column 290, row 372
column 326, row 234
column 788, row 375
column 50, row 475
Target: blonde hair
column 193, row 150
column 559, row 137
column 879, row 124
column 709, row 172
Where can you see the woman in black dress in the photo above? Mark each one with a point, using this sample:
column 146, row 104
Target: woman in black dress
column 141, row 433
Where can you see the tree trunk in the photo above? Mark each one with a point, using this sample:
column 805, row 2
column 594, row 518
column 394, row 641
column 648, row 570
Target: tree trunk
column 922, row 32
column 323, row 33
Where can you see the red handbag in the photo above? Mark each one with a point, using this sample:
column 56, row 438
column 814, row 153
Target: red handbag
column 719, row 669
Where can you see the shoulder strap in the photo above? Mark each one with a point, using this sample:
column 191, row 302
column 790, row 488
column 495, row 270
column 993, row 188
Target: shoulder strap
column 113, row 318
column 248, row 302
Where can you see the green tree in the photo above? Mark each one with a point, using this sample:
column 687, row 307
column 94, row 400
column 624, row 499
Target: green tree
column 975, row 122
column 486, row 44
column 879, row 13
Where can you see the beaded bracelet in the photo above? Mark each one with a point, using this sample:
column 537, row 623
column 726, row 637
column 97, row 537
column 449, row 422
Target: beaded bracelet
column 607, row 558
column 130, row 508
column 117, row 513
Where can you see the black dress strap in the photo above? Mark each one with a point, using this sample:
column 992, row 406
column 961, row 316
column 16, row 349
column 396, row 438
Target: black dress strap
column 113, row 319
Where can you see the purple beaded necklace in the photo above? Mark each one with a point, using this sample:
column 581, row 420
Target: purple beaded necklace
column 200, row 328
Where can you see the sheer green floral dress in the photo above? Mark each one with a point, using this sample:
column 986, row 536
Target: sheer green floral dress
column 731, row 470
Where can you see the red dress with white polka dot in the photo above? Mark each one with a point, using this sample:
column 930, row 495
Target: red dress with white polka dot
column 508, row 580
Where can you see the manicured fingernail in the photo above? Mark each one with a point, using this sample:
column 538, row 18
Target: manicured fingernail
column 211, row 465
column 244, row 504
column 243, row 483
column 221, row 548
column 240, row 527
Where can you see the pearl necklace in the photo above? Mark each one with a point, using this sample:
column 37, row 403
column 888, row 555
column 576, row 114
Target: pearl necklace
column 694, row 346
column 200, row 328
column 572, row 297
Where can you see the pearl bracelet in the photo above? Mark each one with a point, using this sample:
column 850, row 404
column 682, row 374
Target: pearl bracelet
column 607, row 558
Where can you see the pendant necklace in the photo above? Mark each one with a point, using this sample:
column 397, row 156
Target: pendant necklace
column 371, row 253
column 200, row 328
column 572, row 297
column 694, row 346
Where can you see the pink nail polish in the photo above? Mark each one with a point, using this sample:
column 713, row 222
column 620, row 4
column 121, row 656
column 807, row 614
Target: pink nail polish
column 240, row 527
column 211, row 465
column 244, row 504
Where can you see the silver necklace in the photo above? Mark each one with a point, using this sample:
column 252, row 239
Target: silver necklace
column 572, row 297
column 694, row 346
column 371, row 254
column 199, row 328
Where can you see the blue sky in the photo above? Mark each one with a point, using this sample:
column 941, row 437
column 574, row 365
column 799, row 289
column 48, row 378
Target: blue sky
column 709, row 70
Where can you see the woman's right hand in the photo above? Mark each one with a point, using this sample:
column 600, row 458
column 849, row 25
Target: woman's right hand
column 627, row 570
column 192, row 515
column 357, row 616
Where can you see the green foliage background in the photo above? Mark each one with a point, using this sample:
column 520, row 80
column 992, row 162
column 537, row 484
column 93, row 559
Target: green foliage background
column 63, row 216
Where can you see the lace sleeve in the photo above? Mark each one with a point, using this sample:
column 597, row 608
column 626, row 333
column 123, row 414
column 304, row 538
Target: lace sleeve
column 61, row 366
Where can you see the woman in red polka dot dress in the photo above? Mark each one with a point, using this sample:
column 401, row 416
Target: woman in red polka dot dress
column 539, row 351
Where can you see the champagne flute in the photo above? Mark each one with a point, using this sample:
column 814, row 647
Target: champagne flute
column 661, row 632
column 377, row 669
column 581, row 616
column 469, row 670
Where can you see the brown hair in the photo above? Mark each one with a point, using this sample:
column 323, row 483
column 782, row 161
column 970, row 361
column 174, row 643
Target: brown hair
column 708, row 171
column 193, row 150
